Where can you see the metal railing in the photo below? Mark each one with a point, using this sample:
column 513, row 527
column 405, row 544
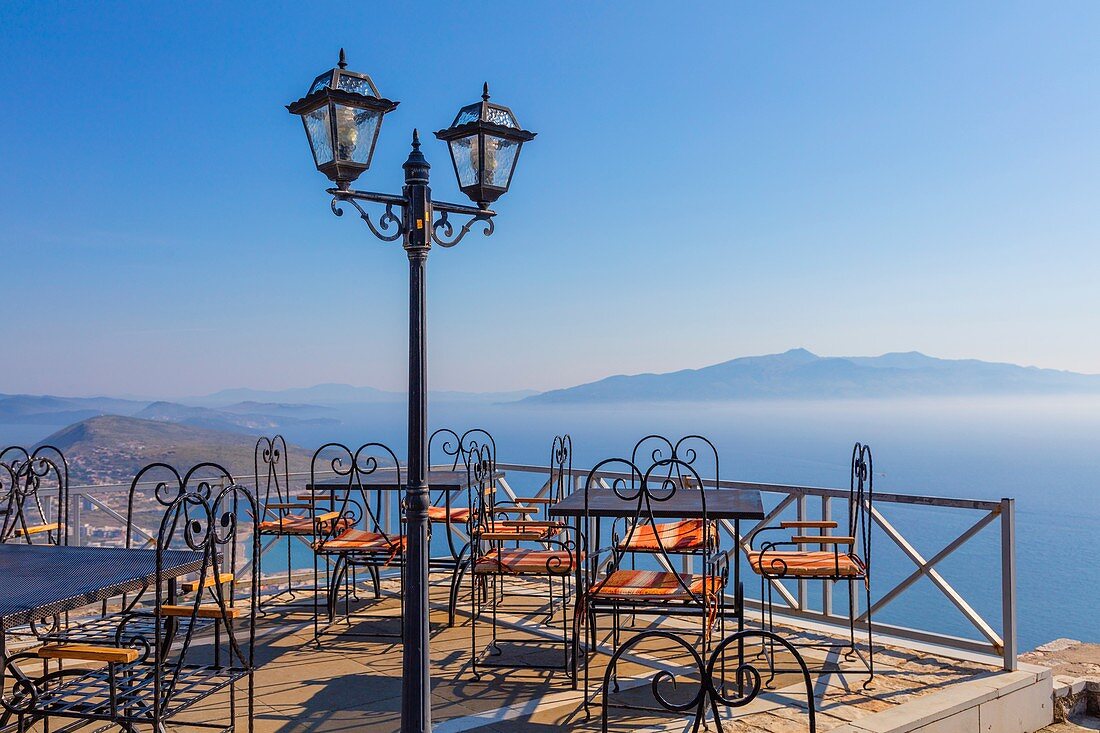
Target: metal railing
column 797, row 605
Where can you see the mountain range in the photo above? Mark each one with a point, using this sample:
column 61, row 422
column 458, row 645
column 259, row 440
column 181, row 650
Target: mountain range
column 800, row 374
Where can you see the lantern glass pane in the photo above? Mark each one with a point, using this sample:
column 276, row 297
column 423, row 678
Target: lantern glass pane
column 318, row 129
column 500, row 156
column 464, row 150
column 356, row 84
column 499, row 116
column 320, row 82
column 355, row 131
column 467, row 114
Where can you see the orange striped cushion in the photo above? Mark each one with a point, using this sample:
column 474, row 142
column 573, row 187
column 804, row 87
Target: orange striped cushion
column 290, row 524
column 654, row 584
column 674, row 536
column 526, row 562
column 454, row 514
column 360, row 540
column 807, row 564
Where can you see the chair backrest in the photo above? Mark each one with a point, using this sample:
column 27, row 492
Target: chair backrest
column 220, row 522
column 479, row 458
column 359, row 500
column 693, row 450
column 27, row 480
column 451, row 448
column 561, row 468
column 168, row 484
column 861, row 500
column 272, row 474
column 646, row 491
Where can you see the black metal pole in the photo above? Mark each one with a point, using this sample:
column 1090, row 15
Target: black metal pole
column 416, row 688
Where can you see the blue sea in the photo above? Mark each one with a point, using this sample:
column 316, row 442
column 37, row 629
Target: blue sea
column 1043, row 451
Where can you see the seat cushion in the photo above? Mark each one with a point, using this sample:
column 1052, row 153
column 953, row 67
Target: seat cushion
column 455, row 515
column 512, row 561
column 361, row 540
column 289, row 524
column 816, row 564
column 654, row 585
column 679, row 536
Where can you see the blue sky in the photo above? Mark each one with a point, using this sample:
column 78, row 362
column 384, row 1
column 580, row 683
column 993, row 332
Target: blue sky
column 709, row 181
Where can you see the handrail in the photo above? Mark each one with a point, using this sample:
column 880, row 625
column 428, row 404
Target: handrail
column 798, row 609
column 1002, row 645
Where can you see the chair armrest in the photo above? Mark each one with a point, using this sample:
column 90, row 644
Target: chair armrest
column 534, row 500
column 515, row 510
column 193, row 585
column 541, row 523
column 326, row 517
column 36, row 529
column 823, row 540
column 813, row 524
column 89, row 653
column 200, row 612
column 286, row 505
column 512, row 536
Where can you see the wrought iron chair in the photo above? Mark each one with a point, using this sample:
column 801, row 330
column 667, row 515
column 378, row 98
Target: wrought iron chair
column 714, row 690
column 284, row 517
column 26, row 479
column 155, row 671
column 773, row 562
column 505, row 548
column 610, row 589
column 146, row 509
column 350, row 517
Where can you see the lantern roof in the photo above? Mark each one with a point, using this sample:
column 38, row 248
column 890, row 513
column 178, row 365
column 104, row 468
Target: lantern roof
column 486, row 115
column 339, row 84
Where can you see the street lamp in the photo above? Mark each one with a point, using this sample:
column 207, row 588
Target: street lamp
column 342, row 114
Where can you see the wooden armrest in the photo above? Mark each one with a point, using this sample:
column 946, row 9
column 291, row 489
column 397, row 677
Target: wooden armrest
column 814, row 524
column 541, row 523
column 327, row 516
column 37, row 529
column 534, row 500
column 513, row 536
column 310, row 497
column 286, row 505
column 202, row 612
column 515, row 510
column 89, row 652
column 823, row 540
column 193, row 585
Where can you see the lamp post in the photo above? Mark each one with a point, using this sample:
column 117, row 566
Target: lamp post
column 342, row 114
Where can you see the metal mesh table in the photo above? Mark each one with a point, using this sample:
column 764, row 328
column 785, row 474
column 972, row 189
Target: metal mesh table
column 37, row 581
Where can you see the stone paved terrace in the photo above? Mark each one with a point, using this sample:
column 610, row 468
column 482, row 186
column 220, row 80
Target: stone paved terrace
column 354, row 684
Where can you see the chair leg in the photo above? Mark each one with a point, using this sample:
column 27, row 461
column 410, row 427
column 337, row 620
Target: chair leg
column 870, row 639
column 456, row 584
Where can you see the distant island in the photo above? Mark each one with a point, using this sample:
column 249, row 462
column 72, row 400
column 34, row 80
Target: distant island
column 800, row 374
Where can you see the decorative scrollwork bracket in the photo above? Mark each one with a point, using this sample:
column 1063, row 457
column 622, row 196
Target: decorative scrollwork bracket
column 385, row 221
column 443, row 231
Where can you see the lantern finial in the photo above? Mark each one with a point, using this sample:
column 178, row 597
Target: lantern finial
column 485, row 92
column 416, row 139
column 343, row 64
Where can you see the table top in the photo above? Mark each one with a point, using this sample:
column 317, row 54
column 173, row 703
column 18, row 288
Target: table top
column 41, row 580
column 385, row 479
column 684, row 504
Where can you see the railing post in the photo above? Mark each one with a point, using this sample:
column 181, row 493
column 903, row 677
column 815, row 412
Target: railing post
column 1008, row 581
column 74, row 524
column 803, row 584
column 827, row 588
